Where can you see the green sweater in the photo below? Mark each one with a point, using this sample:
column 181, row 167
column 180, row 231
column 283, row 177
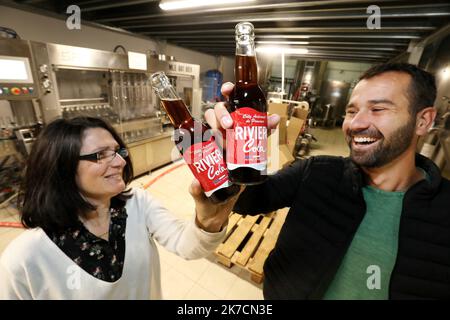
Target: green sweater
column 366, row 268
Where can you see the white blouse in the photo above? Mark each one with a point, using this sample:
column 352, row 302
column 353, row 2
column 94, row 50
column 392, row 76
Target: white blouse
column 33, row 267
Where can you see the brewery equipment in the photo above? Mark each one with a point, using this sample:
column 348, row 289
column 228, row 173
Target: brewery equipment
column 185, row 78
column 334, row 96
column 19, row 111
column 40, row 82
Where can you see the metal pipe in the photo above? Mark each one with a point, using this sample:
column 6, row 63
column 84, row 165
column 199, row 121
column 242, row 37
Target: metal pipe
column 253, row 8
column 309, row 36
column 310, row 42
column 325, row 48
column 395, row 12
column 282, row 73
column 81, row 99
column 259, row 31
column 116, row 5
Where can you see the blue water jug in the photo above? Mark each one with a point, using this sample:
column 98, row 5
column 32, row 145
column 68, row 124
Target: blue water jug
column 211, row 86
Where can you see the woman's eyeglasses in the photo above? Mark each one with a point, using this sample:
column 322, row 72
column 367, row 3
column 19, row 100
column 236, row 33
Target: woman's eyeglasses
column 105, row 156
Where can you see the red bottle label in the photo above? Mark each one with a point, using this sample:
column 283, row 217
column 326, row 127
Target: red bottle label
column 208, row 166
column 247, row 142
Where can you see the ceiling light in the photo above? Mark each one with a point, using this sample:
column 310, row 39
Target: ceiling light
column 284, row 36
column 284, row 42
column 279, row 50
column 445, row 73
column 185, row 4
column 308, row 77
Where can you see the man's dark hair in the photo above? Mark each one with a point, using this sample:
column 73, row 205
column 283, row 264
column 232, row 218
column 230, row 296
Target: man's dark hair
column 49, row 196
column 422, row 88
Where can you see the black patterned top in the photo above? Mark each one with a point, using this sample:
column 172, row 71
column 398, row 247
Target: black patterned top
column 101, row 258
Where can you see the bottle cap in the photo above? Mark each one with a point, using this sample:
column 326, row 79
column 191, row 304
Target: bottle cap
column 245, row 28
column 162, row 86
column 245, row 31
column 159, row 82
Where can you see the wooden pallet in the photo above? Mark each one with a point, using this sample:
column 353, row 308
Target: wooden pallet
column 249, row 241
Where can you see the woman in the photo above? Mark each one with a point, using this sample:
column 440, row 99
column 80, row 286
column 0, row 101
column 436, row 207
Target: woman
column 88, row 236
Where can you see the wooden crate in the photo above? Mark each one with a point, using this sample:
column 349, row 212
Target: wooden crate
column 249, row 241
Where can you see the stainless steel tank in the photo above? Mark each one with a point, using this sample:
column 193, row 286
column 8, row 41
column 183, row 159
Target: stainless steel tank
column 334, row 97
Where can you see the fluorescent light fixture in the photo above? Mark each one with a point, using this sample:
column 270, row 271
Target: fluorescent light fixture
column 308, row 77
column 284, row 36
column 279, row 50
column 284, row 42
column 445, row 74
column 336, row 94
column 185, row 4
column 137, row 60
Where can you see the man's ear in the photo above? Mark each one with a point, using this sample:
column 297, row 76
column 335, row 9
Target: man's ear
column 425, row 120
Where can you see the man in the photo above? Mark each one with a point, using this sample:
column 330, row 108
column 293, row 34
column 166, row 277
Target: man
column 375, row 225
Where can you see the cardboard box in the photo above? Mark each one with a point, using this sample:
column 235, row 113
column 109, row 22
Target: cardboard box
column 294, row 128
column 286, row 133
column 282, row 130
column 281, row 110
column 300, row 113
column 278, row 108
column 278, row 155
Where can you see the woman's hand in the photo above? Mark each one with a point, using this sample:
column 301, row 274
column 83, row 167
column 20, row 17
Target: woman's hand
column 209, row 216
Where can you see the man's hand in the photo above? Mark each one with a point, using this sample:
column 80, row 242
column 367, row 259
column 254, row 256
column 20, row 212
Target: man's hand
column 210, row 217
column 219, row 118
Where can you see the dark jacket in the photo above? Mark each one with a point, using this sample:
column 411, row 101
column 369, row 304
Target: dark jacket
column 326, row 207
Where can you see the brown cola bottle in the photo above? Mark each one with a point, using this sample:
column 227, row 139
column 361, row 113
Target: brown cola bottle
column 196, row 142
column 246, row 143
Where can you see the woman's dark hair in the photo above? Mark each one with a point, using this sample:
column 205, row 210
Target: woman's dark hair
column 422, row 88
column 49, row 196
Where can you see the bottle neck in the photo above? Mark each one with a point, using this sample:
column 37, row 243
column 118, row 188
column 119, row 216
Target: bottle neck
column 245, row 46
column 167, row 93
column 162, row 86
column 177, row 111
column 246, row 70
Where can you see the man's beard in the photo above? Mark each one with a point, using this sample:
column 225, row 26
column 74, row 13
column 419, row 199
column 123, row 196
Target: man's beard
column 386, row 150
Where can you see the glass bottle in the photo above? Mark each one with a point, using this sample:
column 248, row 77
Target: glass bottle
column 196, row 143
column 246, row 154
